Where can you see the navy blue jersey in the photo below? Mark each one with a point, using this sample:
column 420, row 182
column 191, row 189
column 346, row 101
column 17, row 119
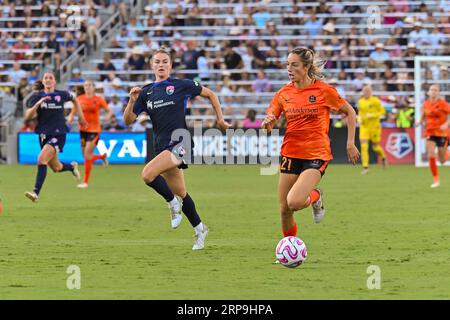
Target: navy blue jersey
column 165, row 102
column 50, row 115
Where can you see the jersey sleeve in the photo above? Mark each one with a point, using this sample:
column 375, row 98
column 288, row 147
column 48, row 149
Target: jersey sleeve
column 381, row 110
column 104, row 104
column 275, row 106
column 193, row 87
column 140, row 104
column 33, row 99
column 67, row 96
column 332, row 98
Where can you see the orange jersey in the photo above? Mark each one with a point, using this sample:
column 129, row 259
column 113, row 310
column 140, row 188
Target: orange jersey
column 436, row 114
column 307, row 113
column 91, row 110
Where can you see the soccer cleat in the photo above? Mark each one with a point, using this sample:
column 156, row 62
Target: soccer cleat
column 105, row 161
column 75, row 171
column 384, row 163
column 31, row 195
column 435, row 184
column 200, row 239
column 365, row 171
column 82, row 185
column 177, row 216
column 318, row 209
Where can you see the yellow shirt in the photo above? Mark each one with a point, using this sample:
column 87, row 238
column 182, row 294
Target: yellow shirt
column 369, row 112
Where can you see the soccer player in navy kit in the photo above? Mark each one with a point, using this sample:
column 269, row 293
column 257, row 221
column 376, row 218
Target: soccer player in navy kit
column 165, row 102
column 48, row 106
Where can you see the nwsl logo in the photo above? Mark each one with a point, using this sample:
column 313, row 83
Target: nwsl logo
column 399, row 144
column 170, row 90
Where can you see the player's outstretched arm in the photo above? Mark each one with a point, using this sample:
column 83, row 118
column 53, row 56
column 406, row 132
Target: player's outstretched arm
column 31, row 112
column 269, row 122
column 128, row 115
column 81, row 119
column 212, row 97
column 422, row 119
column 352, row 151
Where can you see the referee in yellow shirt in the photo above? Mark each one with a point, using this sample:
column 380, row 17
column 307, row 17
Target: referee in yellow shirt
column 370, row 110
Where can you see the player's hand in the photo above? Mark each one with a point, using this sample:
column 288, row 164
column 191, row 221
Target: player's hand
column 83, row 123
column 268, row 122
column 42, row 100
column 134, row 93
column 352, row 153
column 222, row 124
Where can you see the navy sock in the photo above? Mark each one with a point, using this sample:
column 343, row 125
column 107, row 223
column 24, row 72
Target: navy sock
column 190, row 211
column 40, row 178
column 160, row 186
column 66, row 167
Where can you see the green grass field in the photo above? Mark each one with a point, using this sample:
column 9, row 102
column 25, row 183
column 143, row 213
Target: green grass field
column 118, row 232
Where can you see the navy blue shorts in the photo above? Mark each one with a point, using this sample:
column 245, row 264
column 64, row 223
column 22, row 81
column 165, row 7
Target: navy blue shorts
column 56, row 142
column 297, row 166
column 181, row 150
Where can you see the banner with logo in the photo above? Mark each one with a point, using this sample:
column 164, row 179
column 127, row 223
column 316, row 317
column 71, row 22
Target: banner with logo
column 398, row 145
column 121, row 147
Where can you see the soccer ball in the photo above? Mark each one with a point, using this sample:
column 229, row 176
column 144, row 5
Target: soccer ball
column 291, row 252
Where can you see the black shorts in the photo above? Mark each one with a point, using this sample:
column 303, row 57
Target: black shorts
column 89, row 136
column 440, row 141
column 297, row 166
column 57, row 141
column 181, row 150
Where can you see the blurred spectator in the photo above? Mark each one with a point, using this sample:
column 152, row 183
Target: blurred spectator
column 250, row 120
column 189, row 58
column 360, row 81
column 233, row 61
column 17, row 72
column 136, row 62
column 379, row 56
column 76, row 76
column 113, row 125
column 20, row 44
column 261, row 83
column 106, row 65
column 203, row 66
column 419, row 36
column 339, row 87
column 313, row 25
column 116, row 106
column 261, row 16
column 141, row 124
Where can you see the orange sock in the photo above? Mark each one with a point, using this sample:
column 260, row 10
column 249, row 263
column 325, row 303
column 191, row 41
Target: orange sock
column 87, row 169
column 291, row 232
column 314, row 196
column 96, row 157
column 433, row 168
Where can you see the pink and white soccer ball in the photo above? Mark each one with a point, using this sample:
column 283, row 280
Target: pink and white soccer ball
column 291, row 252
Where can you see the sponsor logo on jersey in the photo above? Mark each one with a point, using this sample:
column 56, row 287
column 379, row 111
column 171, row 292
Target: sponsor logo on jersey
column 170, row 90
column 149, row 105
column 399, row 144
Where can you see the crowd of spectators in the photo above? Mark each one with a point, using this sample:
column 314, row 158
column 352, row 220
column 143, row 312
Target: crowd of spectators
column 356, row 51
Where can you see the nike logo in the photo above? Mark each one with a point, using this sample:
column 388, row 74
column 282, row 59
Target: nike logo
column 148, row 93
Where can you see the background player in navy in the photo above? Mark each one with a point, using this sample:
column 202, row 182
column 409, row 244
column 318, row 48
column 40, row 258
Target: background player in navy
column 165, row 102
column 48, row 105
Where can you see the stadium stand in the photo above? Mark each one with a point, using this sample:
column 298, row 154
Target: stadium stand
column 237, row 48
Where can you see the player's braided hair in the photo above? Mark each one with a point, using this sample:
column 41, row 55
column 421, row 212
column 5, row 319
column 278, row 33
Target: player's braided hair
column 309, row 58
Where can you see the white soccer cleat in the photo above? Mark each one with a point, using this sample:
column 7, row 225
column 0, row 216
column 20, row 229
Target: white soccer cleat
column 318, row 209
column 365, row 171
column 31, row 195
column 76, row 172
column 82, row 185
column 435, row 184
column 200, row 239
column 176, row 214
column 105, row 161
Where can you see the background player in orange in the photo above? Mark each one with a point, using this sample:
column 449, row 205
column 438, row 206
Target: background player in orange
column 91, row 104
column 306, row 103
column 436, row 112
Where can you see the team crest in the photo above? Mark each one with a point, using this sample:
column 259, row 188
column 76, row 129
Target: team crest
column 170, row 90
column 57, row 98
column 312, row 99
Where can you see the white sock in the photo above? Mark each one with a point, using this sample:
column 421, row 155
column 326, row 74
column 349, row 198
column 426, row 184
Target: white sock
column 199, row 228
column 174, row 203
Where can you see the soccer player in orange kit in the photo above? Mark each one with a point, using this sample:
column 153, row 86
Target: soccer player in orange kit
column 91, row 104
column 435, row 112
column 306, row 103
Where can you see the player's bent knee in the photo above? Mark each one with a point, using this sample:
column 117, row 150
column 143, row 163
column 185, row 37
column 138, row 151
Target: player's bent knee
column 148, row 176
column 296, row 204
